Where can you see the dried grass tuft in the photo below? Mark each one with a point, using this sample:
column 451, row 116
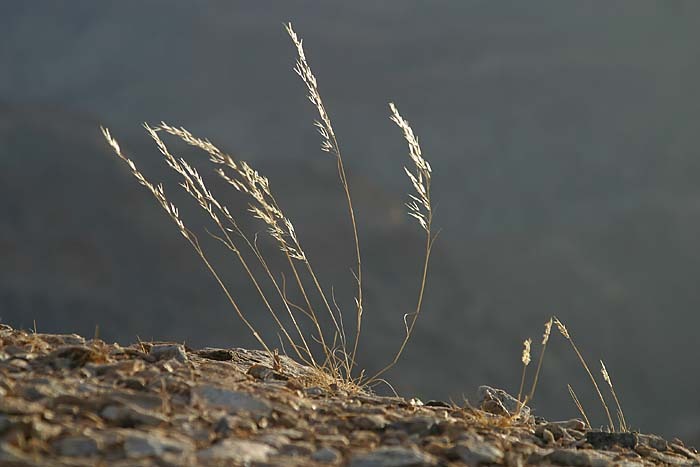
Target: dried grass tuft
column 337, row 366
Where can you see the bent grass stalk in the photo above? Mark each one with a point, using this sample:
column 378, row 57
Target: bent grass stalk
column 158, row 192
column 564, row 332
column 578, row 405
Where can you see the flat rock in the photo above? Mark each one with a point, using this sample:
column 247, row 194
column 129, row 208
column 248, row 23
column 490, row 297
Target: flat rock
column 327, row 455
column 222, row 355
column 605, row 440
column 474, row 452
column 237, row 451
column 491, row 399
column 393, row 456
column 168, row 351
column 138, row 444
column 126, row 416
column 233, row 401
column 76, row 446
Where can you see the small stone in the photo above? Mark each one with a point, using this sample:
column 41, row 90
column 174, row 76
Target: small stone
column 314, row 391
column 326, row 455
column 168, row 351
column 438, row 404
column 275, row 440
column 143, row 445
column 299, row 449
column 76, row 446
column 129, row 417
column 418, row 425
column 475, row 452
column 237, row 451
column 333, row 440
column 569, row 457
column 573, row 424
column 370, row 422
column 233, row 401
column 656, row 442
column 492, row 400
column 680, row 449
column 221, row 355
column 605, row 440
column 261, row 372
column 393, row 456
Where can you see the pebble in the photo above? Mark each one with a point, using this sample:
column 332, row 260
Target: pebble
column 421, row 425
column 314, row 391
column 76, row 446
column 236, row 451
column 476, row 453
column 393, row 456
column 326, row 455
column 370, row 422
column 128, row 417
column 492, row 399
column 569, row 457
column 234, row 401
column 221, row 355
column 605, row 440
column 298, row 449
column 168, row 351
column 139, row 444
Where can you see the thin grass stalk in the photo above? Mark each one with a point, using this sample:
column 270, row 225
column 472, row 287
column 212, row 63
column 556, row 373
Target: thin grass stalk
column 194, row 185
column 256, row 186
column 158, row 192
column 564, row 332
column 578, row 405
column 420, row 208
column 526, row 361
column 545, row 340
column 330, row 144
column 620, row 414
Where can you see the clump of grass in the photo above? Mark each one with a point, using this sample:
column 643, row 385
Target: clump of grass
column 336, row 363
column 622, row 423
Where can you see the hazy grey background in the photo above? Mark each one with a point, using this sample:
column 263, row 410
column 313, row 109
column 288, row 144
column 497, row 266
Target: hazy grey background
column 564, row 141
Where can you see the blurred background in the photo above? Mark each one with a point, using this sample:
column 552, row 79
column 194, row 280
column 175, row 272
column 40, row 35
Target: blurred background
column 563, row 137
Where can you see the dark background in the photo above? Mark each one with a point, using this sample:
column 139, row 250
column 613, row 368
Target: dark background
column 563, row 137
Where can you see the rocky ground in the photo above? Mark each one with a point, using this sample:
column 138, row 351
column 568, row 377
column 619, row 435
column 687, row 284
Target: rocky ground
column 70, row 401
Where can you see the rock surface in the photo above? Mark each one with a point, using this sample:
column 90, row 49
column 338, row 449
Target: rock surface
column 67, row 401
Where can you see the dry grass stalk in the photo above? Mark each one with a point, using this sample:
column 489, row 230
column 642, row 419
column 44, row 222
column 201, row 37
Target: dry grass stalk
column 578, row 405
column 329, row 143
column 545, row 339
column 564, row 332
column 241, row 176
column 172, row 211
column 194, row 185
column 526, row 361
column 420, row 208
column 622, row 423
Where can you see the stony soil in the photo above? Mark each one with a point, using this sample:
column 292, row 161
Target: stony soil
column 69, row 401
